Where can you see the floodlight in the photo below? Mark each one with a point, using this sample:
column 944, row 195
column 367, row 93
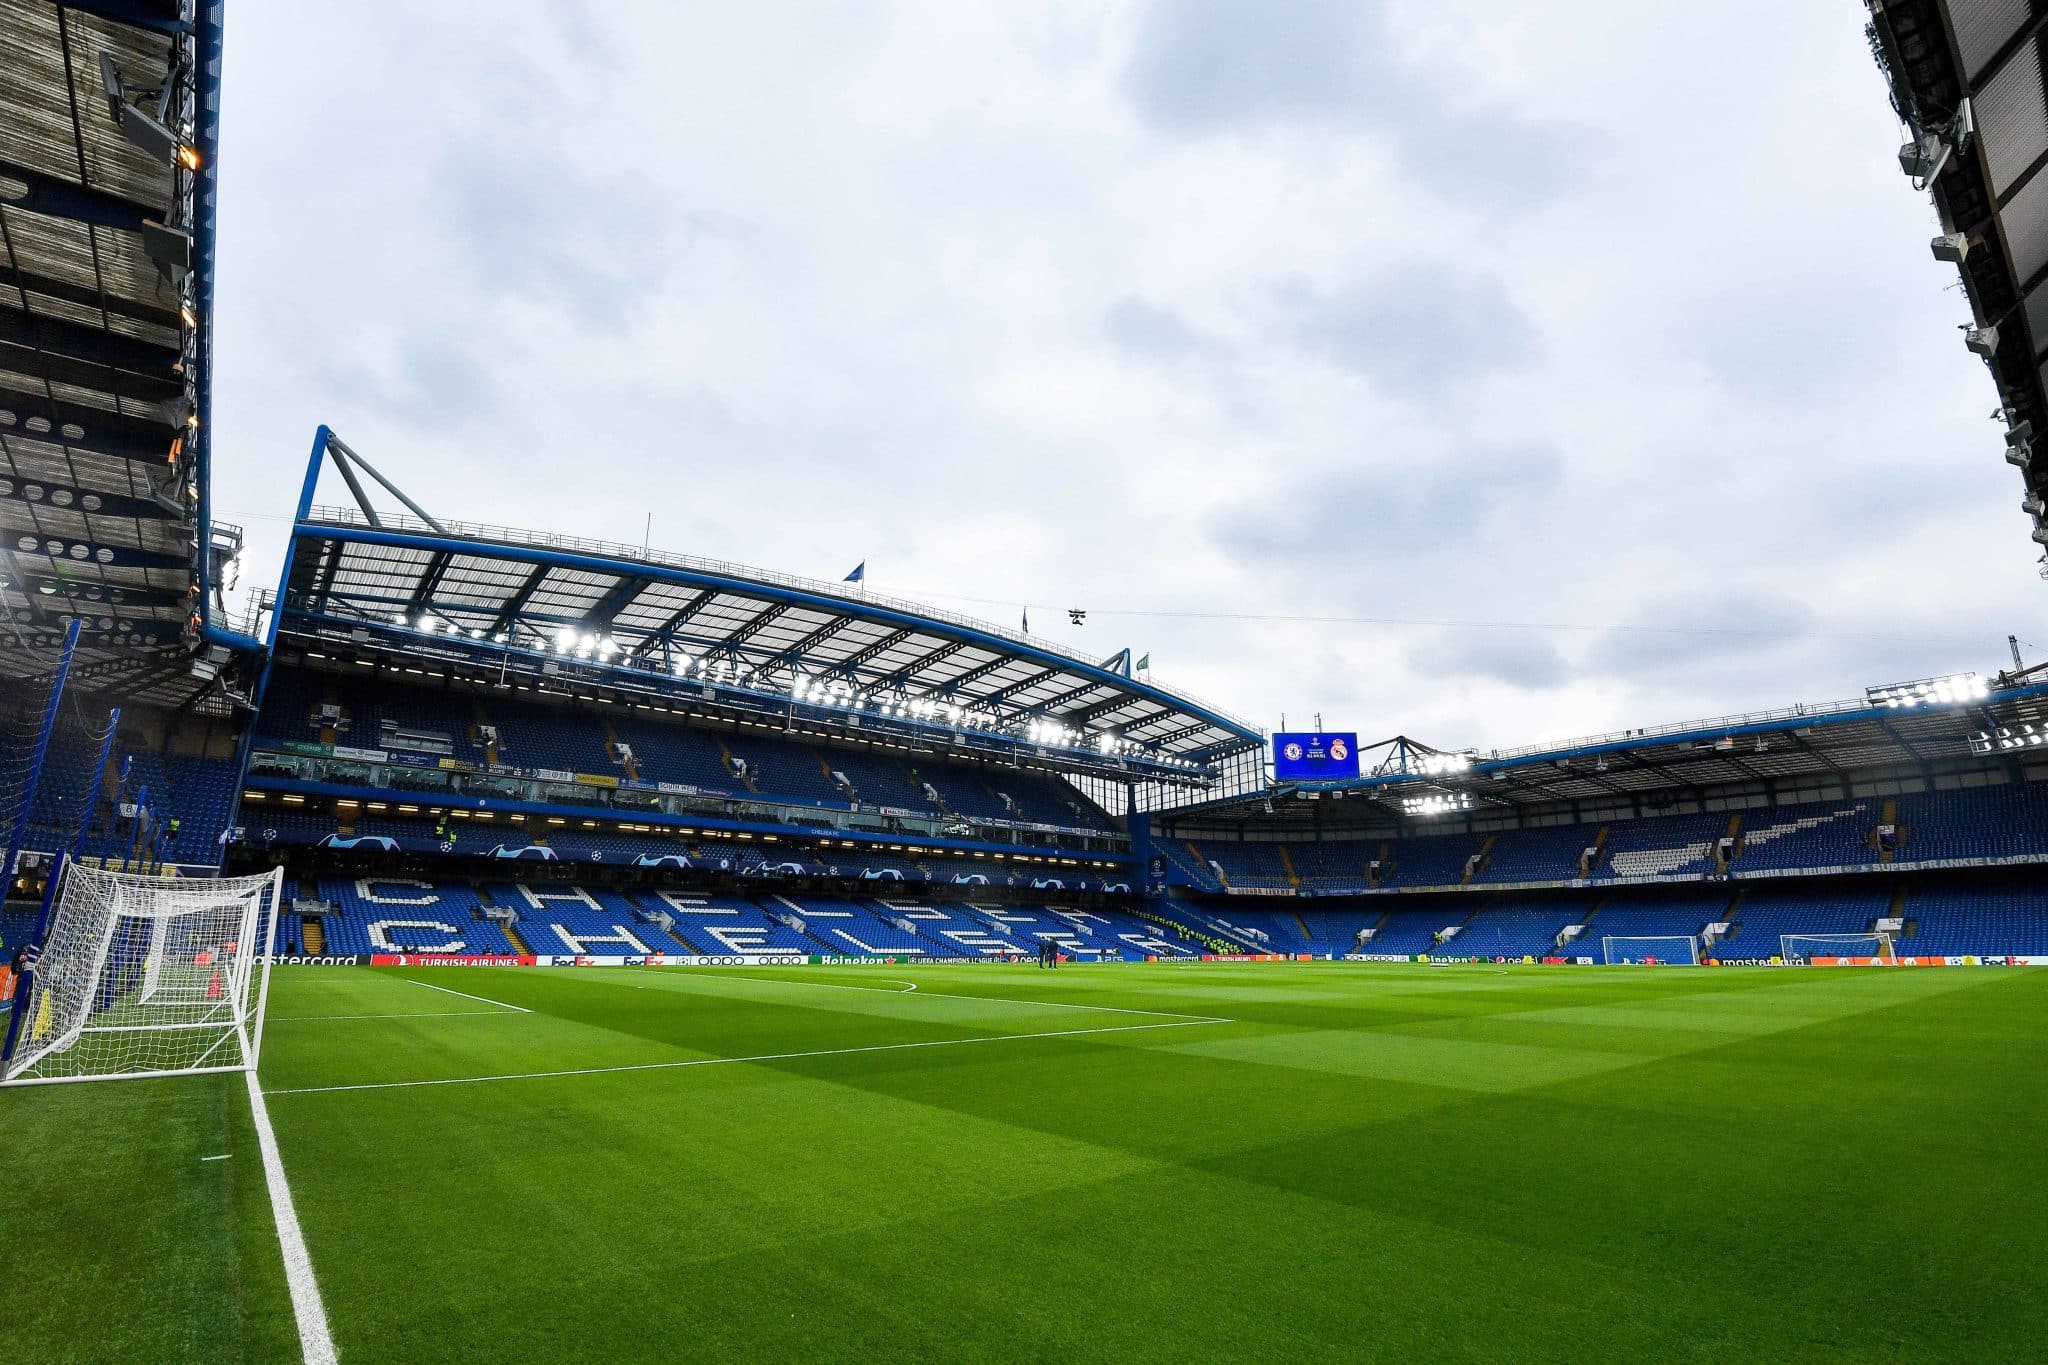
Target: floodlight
column 1437, row 803
column 1922, row 158
column 155, row 139
column 113, row 87
column 2019, row 433
column 426, row 624
column 1951, row 247
column 1982, row 340
column 169, row 247
column 1943, row 691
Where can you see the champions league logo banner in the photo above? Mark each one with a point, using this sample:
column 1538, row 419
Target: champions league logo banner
column 1314, row 757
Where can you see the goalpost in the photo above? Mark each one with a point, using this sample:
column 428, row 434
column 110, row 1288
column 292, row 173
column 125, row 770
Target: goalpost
column 145, row 976
column 1655, row 950
column 1800, row 950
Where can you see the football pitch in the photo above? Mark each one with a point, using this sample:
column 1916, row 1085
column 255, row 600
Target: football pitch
column 1309, row 1160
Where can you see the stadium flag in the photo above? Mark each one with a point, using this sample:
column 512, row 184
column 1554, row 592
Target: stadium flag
column 859, row 574
column 1027, row 620
column 1145, row 663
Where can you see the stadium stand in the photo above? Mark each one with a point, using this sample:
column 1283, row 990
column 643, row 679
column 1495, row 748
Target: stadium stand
column 1765, row 914
column 2005, row 917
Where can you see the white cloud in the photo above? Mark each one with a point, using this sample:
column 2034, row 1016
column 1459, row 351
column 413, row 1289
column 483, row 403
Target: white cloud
column 1457, row 312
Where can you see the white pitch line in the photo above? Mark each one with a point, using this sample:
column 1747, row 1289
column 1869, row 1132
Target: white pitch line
column 466, row 996
column 990, row 999
column 763, row 1057
column 316, row 1344
column 908, row 986
column 430, row 1014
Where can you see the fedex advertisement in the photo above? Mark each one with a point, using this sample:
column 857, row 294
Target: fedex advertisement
column 1314, row 757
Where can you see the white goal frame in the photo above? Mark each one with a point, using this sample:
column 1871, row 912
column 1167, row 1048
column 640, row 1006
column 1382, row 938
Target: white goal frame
column 140, row 976
column 1881, row 945
column 1689, row 944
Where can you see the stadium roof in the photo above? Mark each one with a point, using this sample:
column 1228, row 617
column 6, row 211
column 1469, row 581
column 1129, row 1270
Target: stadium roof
column 615, row 615
column 108, row 133
column 1788, row 748
column 1967, row 79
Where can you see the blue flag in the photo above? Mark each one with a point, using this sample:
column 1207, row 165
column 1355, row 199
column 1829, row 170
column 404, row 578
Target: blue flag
column 859, row 574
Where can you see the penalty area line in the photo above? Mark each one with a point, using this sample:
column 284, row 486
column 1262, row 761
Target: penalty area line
column 316, row 1343
column 446, row 990
column 985, row 999
column 761, row 1057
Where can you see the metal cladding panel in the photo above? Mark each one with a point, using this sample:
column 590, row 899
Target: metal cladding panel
column 1982, row 27
column 2025, row 220
column 2012, row 119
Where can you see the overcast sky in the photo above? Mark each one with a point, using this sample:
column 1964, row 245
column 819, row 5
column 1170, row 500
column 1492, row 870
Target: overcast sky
column 1513, row 328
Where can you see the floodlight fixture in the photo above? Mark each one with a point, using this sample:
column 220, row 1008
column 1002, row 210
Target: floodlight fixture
column 1951, row 690
column 1982, row 341
column 1928, row 153
column 169, row 247
column 1436, row 803
column 1950, row 247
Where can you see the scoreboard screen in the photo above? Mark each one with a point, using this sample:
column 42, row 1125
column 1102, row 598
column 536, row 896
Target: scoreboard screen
column 1314, row 757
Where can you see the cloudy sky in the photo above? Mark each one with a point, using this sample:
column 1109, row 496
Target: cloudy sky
column 1569, row 367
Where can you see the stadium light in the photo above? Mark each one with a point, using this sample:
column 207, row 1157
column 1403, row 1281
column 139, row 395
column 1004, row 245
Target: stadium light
column 1437, row 803
column 1951, row 247
column 1434, row 765
column 1952, row 690
column 2005, row 738
column 1982, row 341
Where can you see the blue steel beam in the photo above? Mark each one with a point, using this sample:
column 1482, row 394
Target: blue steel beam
column 867, row 654
column 902, row 676
column 511, row 610
column 801, row 649
column 1022, row 685
column 754, row 624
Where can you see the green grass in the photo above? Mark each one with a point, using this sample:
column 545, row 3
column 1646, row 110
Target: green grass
column 1367, row 1161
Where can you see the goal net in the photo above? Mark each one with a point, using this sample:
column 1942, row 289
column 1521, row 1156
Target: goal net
column 1655, row 950
column 145, row 976
column 1803, row 950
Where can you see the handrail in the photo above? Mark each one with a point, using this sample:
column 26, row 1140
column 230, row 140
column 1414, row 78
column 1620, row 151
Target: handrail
column 1807, row 711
